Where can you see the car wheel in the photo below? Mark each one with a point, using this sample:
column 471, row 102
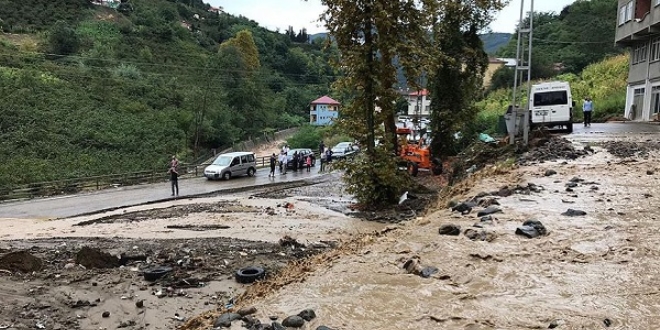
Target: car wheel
column 226, row 176
column 250, row 171
column 248, row 275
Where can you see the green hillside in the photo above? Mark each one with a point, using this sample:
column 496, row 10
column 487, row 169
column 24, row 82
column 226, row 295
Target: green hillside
column 88, row 90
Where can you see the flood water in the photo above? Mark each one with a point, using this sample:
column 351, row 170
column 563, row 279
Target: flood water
column 590, row 272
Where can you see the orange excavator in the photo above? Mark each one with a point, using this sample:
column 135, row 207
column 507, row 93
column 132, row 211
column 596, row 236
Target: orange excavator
column 416, row 155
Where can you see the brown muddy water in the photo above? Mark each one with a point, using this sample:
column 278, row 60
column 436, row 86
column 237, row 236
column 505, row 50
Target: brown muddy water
column 595, row 271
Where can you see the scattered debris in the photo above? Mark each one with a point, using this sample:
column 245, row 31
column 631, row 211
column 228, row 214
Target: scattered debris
column 95, row 258
column 451, row 230
column 198, row 227
column 532, row 229
column 574, row 213
column 288, row 241
column 479, row 235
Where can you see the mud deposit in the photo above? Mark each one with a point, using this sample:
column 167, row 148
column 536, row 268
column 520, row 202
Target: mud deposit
column 45, row 285
column 567, row 244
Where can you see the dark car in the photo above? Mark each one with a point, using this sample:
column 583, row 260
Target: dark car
column 301, row 151
column 344, row 150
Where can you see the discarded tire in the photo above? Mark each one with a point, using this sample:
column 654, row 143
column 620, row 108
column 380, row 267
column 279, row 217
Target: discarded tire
column 156, row 273
column 248, row 275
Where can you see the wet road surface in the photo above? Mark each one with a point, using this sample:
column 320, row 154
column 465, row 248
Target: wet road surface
column 71, row 205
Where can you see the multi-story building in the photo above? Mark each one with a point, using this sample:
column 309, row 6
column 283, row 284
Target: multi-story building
column 323, row 111
column 638, row 28
column 419, row 104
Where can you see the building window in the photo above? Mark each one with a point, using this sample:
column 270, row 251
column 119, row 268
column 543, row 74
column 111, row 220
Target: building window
column 622, row 15
column 655, row 99
column 629, row 11
column 639, row 54
column 655, row 49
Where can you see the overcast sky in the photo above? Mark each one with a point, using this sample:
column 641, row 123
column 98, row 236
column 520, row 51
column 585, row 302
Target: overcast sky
column 274, row 14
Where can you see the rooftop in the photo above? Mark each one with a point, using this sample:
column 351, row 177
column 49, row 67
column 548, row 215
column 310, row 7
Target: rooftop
column 325, row 100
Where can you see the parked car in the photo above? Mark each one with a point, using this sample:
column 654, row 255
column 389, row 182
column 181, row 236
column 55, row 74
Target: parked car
column 301, row 151
column 231, row 164
column 344, row 150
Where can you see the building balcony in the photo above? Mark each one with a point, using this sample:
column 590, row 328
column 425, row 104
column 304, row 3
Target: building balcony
column 644, row 23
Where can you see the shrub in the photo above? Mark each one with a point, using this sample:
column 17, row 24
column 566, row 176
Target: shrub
column 307, row 137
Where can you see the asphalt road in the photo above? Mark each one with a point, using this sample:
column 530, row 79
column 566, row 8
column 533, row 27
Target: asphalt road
column 72, row 205
column 616, row 128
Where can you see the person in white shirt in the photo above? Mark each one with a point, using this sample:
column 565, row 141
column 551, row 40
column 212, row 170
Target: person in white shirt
column 283, row 161
column 587, row 110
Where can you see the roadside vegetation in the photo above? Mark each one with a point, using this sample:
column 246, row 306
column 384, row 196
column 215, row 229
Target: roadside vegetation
column 604, row 81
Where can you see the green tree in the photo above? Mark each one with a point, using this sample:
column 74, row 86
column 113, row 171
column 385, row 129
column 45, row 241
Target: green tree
column 368, row 35
column 63, row 40
column 457, row 70
column 244, row 43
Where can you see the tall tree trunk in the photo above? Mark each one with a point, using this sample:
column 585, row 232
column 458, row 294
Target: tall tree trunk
column 369, row 88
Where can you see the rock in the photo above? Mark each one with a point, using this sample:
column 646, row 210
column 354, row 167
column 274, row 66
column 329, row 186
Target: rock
column 250, row 322
column 555, row 323
column 607, row 322
column 273, row 317
column 479, row 235
column 293, row 321
column 307, row 314
column 139, row 303
column 488, row 211
column 589, row 149
column 649, row 172
column 20, row 261
column 504, row 192
column 224, row 321
column 323, row 327
column 95, row 258
column 426, row 272
column 532, row 229
column 574, row 213
column 464, row 208
column 452, row 230
column 105, row 314
column 278, row 326
column 550, row 172
column 571, row 185
column 576, row 180
column 246, row 311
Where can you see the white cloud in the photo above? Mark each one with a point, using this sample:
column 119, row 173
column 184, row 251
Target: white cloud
column 280, row 14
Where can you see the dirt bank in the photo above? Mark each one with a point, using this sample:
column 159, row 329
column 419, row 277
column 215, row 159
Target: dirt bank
column 590, row 267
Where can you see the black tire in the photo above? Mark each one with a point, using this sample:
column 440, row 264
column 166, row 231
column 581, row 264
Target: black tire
column 250, row 171
column 248, row 275
column 569, row 128
column 413, row 168
column 226, row 176
column 153, row 274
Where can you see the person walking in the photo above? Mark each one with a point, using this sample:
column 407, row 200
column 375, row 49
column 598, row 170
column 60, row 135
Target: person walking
column 308, row 161
column 273, row 161
column 174, row 175
column 321, row 148
column 587, row 110
column 295, row 161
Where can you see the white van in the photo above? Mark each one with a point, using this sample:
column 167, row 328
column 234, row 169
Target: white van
column 551, row 104
column 232, row 164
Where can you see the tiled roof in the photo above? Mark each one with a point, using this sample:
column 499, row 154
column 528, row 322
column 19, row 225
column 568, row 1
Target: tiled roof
column 325, row 100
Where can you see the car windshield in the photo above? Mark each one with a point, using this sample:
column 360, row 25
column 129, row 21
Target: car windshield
column 342, row 145
column 222, row 161
column 338, row 150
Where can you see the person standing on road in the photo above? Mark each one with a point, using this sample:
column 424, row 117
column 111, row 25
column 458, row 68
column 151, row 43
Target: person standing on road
column 280, row 161
column 308, row 161
column 285, row 160
column 174, row 175
column 273, row 161
column 321, row 148
column 295, row 161
column 587, row 110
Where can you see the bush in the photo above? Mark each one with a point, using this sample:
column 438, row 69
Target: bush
column 307, row 137
column 63, row 40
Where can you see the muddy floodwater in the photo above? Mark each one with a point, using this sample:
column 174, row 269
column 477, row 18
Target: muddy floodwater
column 590, row 271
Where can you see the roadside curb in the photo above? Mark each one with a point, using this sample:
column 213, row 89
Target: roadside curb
column 319, row 178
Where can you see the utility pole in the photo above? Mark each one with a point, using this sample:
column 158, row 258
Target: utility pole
column 523, row 67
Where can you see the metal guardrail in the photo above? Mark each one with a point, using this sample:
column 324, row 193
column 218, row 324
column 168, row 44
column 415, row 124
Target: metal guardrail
column 100, row 182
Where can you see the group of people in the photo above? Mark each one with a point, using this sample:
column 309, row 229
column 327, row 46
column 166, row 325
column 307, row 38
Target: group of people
column 299, row 161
